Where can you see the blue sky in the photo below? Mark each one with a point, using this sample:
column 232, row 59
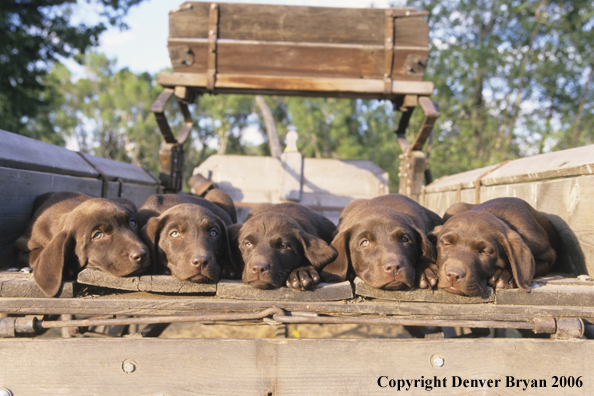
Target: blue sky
column 143, row 47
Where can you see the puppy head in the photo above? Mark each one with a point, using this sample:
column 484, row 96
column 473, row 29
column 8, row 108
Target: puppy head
column 272, row 245
column 191, row 242
column 98, row 233
column 383, row 247
column 472, row 246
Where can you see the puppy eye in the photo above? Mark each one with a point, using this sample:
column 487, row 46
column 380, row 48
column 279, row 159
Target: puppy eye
column 97, row 235
column 445, row 244
column 283, row 246
column 214, row 233
column 404, row 239
column 364, row 243
column 485, row 251
column 247, row 244
column 133, row 223
column 174, row 234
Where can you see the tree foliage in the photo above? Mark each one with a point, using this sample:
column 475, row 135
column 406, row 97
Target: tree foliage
column 35, row 34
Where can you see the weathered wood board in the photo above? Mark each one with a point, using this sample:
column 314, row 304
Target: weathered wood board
column 321, row 292
column 292, row 50
column 149, row 283
column 291, row 367
column 559, row 184
column 420, row 295
column 18, row 284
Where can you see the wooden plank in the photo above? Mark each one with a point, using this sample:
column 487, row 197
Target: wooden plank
column 120, row 170
column 149, row 283
column 150, row 304
column 18, row 284
column 304, row 86
column 136, row 193
column 291, row 186
column 292, row 24
column 321, row 292
column 21, row 152
column 293, row 59
column 18, row 190
column 428, row 296
column 290, row 367
column 581, row 296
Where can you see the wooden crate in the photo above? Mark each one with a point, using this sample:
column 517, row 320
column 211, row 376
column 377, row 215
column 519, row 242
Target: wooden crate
column 29, row 168
column 293, row 50
column 559, row 184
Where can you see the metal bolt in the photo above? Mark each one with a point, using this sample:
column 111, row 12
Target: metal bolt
column 5, row 392
column 27, row 270
column 212, row 32
column 213, row 6
column 438, row 361
column 129, row 366
column 388, row 40
column 584, row 278
column 407, row 13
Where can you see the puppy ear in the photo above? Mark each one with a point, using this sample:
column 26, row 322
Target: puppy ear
column 233, row 233
column 337, row 270
column 317, row 251
column 126, row 203
column 520, row 258
column 150, row 236
column 425, row 249
column 228, row 263
column 49, row 262
column 435, row 232
column 223, row 201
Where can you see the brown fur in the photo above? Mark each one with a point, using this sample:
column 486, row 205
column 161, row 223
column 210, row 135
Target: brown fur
column 503, row 242
column 70, row 231
column 384, row 241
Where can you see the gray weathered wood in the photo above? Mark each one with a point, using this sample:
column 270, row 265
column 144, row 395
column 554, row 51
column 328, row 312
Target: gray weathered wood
column 142, row 303
column 435, row 296
column 150, row 283
column 18, row 284
column 17, row 151
column 579, row 296
column 322, row 292
column 286, row 367
column 291, row 176
column 120, row 170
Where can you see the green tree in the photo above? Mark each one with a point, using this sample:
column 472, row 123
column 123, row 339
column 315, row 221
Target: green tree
column 34, row 35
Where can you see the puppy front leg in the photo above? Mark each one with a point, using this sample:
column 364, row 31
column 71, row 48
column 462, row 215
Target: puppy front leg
column 303, row 278
column 427, row 275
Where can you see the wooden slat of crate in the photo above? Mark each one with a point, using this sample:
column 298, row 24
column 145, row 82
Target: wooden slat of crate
column 295, row 24
column 120, row 170
column 21, row 152
column 322, row 292
column 149, row 283
column 300, row 86
column 253, row 58
column 18, row 284
column 151, row 304
column 288, row 367
column 429, row 296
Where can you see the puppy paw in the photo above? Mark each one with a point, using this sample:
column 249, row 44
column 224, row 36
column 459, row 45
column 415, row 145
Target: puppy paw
column 303, row 278
column 502, row 279
column 428, row 277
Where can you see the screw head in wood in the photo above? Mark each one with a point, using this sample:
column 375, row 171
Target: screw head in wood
column 437, row 361
column 5, row 392
column 129, row 366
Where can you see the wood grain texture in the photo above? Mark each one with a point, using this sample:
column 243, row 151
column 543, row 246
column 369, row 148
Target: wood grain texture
column 150, row 304
column 322, row 292
column 285, row 367
column 149, row 283
column 21, row 152
column 295, row 85
column 120, row 170
column 294, row 24
column 18, row 284
column 420, row 295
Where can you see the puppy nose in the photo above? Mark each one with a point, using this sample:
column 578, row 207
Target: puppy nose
column 199, row 261
column 138, row 255
column 455, row 275
column 261, row 268
column 393, row 266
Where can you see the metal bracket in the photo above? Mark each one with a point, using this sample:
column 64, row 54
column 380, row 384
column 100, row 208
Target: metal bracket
column 171, row 153
column 213, row 33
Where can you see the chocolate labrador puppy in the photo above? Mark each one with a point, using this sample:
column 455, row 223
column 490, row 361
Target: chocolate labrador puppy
column 187, row 235
column 384, row 241
column 285, row 243
column 503, row 242
column 70, row 231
